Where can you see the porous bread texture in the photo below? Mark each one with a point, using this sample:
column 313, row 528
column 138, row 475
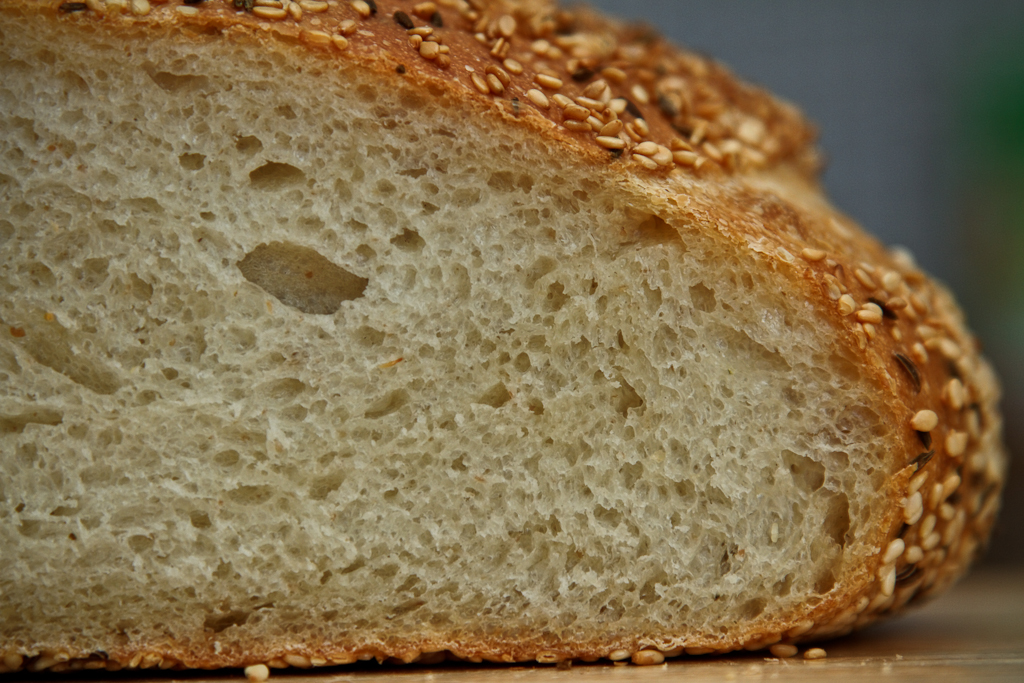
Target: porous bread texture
column 326, row 369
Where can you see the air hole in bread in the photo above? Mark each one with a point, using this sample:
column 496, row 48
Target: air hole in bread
column 15, row 424
column 276, row 176
column 626, row 398
column 497, row 396
column 808, row 475
column 702, row 298
column 192, row 162
column 409, row 240
column 177, row 82
column 301, row 277
column 248, row 145
column 387, row 404
column 219, row 622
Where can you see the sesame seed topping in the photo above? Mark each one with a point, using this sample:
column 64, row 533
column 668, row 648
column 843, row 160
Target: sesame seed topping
column 480, row 84
column 648, row 658
column 893, row 551
column 919, row 353
column 645, row 161
column 507, row 26
column 640, row 94
column 347, row 27
column 913, row 508
column 140, row 7
column 870, row 313
column 956, row 443
column 513, row 66
column 646, row 148
column 889, row 581
column 931, row 540
column 499, row 73
column 609, row 142
column 613, row 74
column 891, row 281
column 847, row 305
column 316, row 38
column 612, row 128
column 538, row 98
column 914, row 554
column 340, row 42
column 815, row 653
column 576, row 112
column 494, row 84
column 429, row 49
column 812, row 254
column 549, row 82
column 954, row 394
column 663, row 157
column 924, row 420
column 927, row 526
column 684, row 158
column 593, row 105
column 192, row 11
column 422, row 31
column 577, row 126
column 561, row 100
column 295, row 10
column 362, row 7
column 864, row 278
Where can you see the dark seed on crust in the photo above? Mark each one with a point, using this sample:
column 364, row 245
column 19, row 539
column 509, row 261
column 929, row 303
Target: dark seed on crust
column 906, row 573
column 400, row 69
column 911, row 369
column 616, row 153
column 922, row 459
column 403, row 20
column 72, row 7
column 373, row 6
column 436, row 20
column 926, row 438
column 582, row 74
column 667, row 107
column 633, row 109
column 886, row 312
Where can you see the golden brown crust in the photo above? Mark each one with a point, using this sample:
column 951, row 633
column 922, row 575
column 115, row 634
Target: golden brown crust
column 739, row 163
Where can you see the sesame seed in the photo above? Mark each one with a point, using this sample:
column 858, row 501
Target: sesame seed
column 954, row 394
column 298, row 661
column 891, row 281
column 847, row 305
column 888, row 581
column 869, row 330
column 316, row 38
column 684, row 158
column 916, row 483
column 864, row 278
column 595, row 123
column 494, row 84
column 362, row 7
column 538, row 98
column 951, row 484
column 913, row 508
column 632, row 132
column 595, row 89
column 422, row 31
column 591, row 104
column 192, row 11
column 540, row 47
column 513, row 66
column 896, row 303
column 424, row 10
column 295, row 10
column 506, row 26
column 609, row 142
column 947, row 511
column 783, row 650
column 870, row 313
column 949, row 348
column 314, row 6
column 403, row 19
column 927, row 527
column 712, row 151
column 645, row 161
column 893, row 551
column 561, row 100
column 919, row 353
column 501, row 48
column 267, row 3
column 956, row 443
column 576, row 112
column 924, row 420
column 648, row 658
column 340, row 42
column 618, row 655
column 576, row 126
column 646, row 148
column 257, row 673
column 812, row 254
column 641, row 127
column 480, row 84
column 444, row 61
column 914, row 554
column 612, row 128
column 931, row 540
column 429, row 49
column 614, row 74
column 663, row 157
column 549, row 82
column 347, row 27
column 416, row 41
column 269, row 12
column 640, row 94
column 815, row 653
column 140, row 7
column 500, row 74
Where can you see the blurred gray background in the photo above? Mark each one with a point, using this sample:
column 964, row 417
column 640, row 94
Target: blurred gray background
column 920, row 107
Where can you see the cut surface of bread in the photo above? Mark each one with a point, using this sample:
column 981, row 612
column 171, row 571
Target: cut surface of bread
column 311, row 354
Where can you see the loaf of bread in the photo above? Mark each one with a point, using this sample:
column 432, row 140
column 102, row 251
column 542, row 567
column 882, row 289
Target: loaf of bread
column 332, row 331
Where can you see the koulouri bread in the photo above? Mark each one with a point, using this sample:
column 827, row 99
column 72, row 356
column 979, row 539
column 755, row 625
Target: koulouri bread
column 332, row 331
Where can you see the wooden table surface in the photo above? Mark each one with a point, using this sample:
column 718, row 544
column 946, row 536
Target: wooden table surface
column 976, row 632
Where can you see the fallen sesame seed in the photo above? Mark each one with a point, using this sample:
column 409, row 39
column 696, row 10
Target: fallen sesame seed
column 549, row 82
column 924, row 420
column 815, row 653
column 618, row 655
column 609, row 142
column 847, row 305
column 893, row 551
column 480, row 84
column 812, row 254
column 648, row 658
column 640, row 94
column 257, row 673
column 538, row 98
column 956, row 443
column 783, row 650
